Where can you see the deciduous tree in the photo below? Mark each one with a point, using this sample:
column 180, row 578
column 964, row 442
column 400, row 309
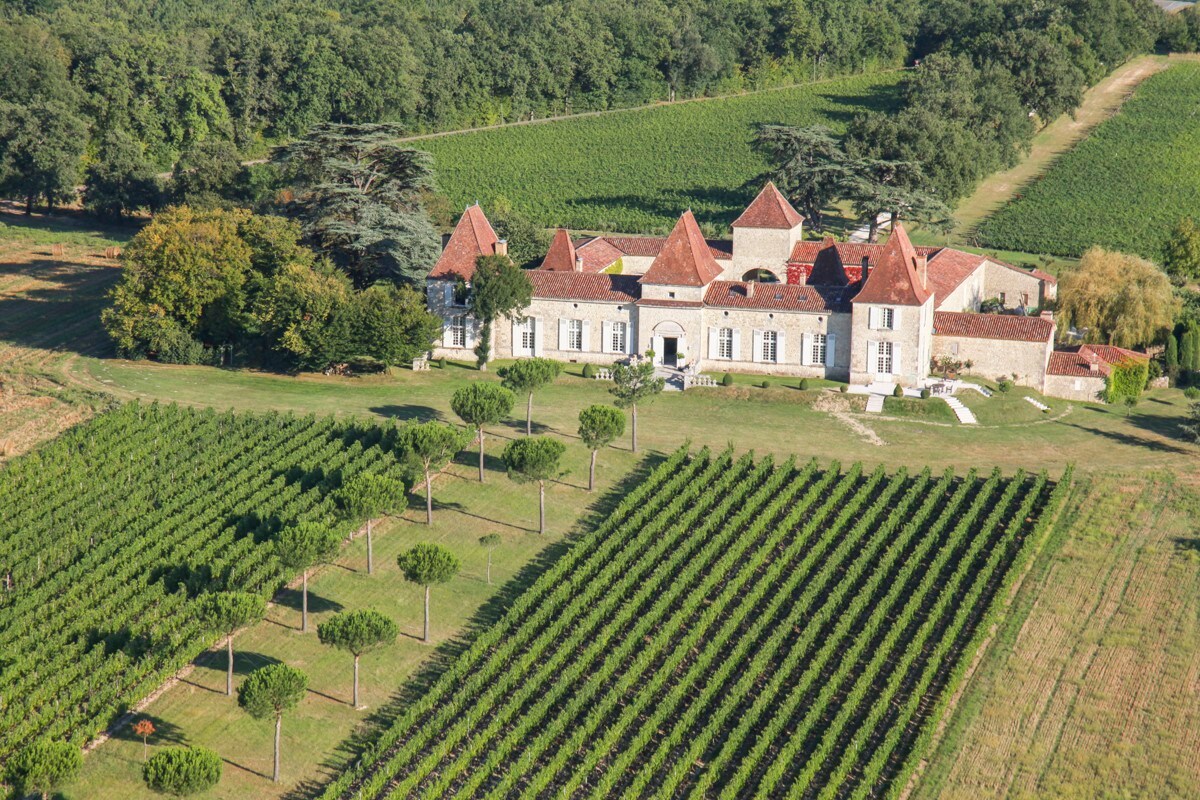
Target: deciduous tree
column 272, row 691
column 41, row 151
column 599, row 426
column 425, row 565
column 1117, row 299
column 121, row 181
column 482, row 403
column 225, row 613
column 182, row 771
column 357, row 632
column 1182, row 256
column 499, row 288
column 368, row 495
column 302, row 547
column 432, row 444
column 526, row 376
column 535, row 459
column 144, row 728
column 633, row 384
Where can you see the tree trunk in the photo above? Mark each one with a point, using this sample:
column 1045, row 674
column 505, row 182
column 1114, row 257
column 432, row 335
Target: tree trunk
column 426, row 614
column 229, row 671
column 145, row 748
column 29, row 205
column 356, row 681
column 529, row 415
column 481, row 455
column 489, row 567
column 635, row 428
column 541, row 506
column 278, row 728
column 873, row 230
column 370, row 551
column 304, row 605
column 592, row 473
column 428, row 497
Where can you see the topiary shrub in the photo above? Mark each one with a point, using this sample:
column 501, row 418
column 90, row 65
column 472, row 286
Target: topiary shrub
column 1004, row 385
column 727, row 379
column 898, row 391
column 442, row 362
column 845, row 387
column 589, row 371
column 764, row 385
column 803, row 384
column 181, row 771
column 924, row 394
column 1191, row 393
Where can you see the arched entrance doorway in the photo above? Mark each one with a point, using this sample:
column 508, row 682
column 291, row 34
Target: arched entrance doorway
column 669, row 343
column 760, row 276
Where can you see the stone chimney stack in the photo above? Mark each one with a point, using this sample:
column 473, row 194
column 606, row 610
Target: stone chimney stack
column 578, row 263
column 923, row 271
column 750, row 289
column 866, row 268
column 502, row 247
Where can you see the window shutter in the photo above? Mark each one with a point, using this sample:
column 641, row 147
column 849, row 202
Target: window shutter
column 447, row 338
column 586, row 338
column 872, row 358
column 714, row 347
column 895, row 319
column 606, row 337
column 873, row 318
column 737, row 344
column 897, row 367
column 562, row 334
column 448, row 293
column 517, row 327
column 757, row 341
column 806, row 349
column 830, row 342
column 471, row 336
column 538, row 328
column 658, row 349
column 780, row 353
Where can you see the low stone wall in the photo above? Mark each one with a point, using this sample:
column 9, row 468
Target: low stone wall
column 1085, row 390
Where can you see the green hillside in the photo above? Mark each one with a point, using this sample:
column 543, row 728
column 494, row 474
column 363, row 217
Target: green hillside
column 1124, row 187
column 635, row 171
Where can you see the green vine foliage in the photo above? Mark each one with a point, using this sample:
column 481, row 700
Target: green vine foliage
column 1127, row 379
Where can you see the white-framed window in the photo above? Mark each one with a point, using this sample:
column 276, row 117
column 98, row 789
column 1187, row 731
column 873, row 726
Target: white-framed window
column 620, row 332
column 883, row 358
column 725, row 343
column 527, row 334
column 819, row 348
column 458, row 331
column 770, row 346
column 575, row 334
column 887, row 318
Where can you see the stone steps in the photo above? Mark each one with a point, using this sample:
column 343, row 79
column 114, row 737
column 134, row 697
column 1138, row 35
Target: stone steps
column 964, row 414
column 875, row 403
column 1037, row 403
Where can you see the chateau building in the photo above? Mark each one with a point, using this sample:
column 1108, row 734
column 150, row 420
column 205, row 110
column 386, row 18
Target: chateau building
column 765, row 302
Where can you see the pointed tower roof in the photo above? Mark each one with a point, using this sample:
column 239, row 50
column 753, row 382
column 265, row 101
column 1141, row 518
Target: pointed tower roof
column 828, row 269
column 894, row 279
column 769, row 210
column 685, row 258
column 561, row 255
column 473, row 237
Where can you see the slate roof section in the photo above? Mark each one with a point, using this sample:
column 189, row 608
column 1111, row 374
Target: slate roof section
column 777, row 297
column 1076, row 362
column 1008, row 327
column 894, row 280
column 473, row 237
column 561, row 255
column 770, row 209
column 685, row 258
column 584, row 287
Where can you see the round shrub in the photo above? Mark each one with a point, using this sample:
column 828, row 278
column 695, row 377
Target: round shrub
column 442, row 362
column 924, row 394
column 898, row 391
column 180, row 771
column 1004, row 385
column 845, row 387
column 727, row 379
column 803, row 384
column 1191, row 392
column 589, row 371
column 764, row 385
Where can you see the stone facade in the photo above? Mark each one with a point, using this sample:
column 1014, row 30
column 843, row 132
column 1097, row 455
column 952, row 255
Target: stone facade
column 572, row 331
column 998, row 358
column 1087, row 390
column 908, row 335
column 1015, row 288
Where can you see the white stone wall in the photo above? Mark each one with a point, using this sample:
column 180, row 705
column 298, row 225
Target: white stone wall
column 999, row 358
column 761, row 248
column 682, row 323
column 550, row 339
column 966, row 296
column 1014, row 285
column 690, row 294
column 440, row 298
column 912, row 335
column 792, row 329
column 1083, row 389
column 635, row 265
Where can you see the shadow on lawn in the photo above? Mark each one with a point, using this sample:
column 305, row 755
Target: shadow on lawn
column 407, row 412
column 164, row 732
column 447, row 652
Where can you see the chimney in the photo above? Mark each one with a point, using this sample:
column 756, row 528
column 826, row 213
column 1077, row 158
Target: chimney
column 502, row 247
column 923, row 271
column 1047, row 314
column 750, row 289
column 578, row 263
column 866, row 268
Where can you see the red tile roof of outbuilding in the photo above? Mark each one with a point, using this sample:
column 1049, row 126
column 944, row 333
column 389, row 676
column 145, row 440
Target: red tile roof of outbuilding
column 584, row 286
column 769, row 209
column 473, row 237
column 993, row 326
column 1077, row 362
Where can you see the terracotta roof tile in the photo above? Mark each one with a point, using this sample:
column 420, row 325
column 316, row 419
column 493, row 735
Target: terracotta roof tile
column 561, row 255
column 685, row 258
column 1077, row 362
column 598, row 254
column 651, row 246
column 777, row 296
column 993, row 326
column 769, row 210
column 657, row 303
column 894, row 280
column 583, row 286
column 948, row 268
column 850, row 253
column 473, row 237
